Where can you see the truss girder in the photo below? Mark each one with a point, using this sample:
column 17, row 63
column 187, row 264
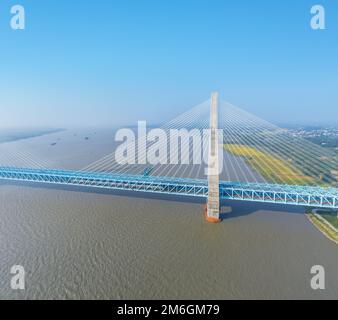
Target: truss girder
column 269, row 193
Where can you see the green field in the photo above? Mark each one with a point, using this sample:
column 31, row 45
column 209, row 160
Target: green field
column 330, row 216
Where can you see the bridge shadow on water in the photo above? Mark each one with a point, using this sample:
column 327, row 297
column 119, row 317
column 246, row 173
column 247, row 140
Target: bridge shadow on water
column 234, row 209
column 230, row 208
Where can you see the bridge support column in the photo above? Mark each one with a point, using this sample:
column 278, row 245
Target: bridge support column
column 212, row 210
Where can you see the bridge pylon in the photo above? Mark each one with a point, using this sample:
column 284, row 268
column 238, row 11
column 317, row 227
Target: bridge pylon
column 212, row 209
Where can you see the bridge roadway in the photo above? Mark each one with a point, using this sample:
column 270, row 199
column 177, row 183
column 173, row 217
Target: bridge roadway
column 257, row 192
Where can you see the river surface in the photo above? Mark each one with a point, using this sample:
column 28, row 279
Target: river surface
column 87, row 244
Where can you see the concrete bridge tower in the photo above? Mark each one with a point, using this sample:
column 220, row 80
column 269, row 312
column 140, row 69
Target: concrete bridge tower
column 212, row 213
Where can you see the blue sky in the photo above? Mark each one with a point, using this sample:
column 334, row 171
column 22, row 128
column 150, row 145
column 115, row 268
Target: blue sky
column 106, row 62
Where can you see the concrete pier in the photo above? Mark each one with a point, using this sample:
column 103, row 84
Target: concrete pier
column 212, row 213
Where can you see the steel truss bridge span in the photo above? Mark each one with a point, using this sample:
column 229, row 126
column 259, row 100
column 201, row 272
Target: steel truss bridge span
column 268, row 193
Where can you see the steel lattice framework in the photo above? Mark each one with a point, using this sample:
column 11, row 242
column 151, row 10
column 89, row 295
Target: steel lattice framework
column 269, row 193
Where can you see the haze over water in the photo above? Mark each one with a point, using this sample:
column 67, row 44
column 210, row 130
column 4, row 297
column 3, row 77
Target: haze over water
column 88, row 244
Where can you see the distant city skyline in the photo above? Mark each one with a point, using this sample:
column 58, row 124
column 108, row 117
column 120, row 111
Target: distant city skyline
column 105, row 63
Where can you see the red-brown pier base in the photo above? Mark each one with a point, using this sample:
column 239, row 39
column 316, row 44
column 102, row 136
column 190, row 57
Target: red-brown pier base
column 210, row 219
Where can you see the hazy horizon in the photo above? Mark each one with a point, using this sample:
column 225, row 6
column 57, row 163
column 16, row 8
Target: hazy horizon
column 14, row 128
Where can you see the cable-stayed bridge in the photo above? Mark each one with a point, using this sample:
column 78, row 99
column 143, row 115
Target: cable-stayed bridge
column 262, row 163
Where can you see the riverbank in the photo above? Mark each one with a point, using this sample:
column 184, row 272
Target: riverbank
column 323, row 225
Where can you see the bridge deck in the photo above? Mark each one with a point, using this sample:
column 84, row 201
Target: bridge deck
column 270, row 193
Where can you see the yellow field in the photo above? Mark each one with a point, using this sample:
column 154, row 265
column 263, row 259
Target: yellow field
column 271, row 167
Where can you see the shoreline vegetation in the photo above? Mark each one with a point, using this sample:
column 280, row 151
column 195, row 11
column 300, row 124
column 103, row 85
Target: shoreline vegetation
column 326, row 221
column 21, row 134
